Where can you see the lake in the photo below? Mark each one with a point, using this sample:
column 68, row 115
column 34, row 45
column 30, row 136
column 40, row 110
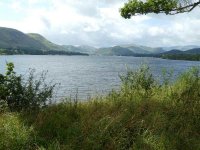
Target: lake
column 89, row 75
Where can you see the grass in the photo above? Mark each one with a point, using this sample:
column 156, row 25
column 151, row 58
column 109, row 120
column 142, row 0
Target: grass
column 143, row 115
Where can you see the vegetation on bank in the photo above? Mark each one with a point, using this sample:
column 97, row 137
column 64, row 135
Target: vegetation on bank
column 37, row 52
column 191, row 57
column 144, row 114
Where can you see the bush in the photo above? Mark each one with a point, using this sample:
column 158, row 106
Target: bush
column 138, row 83
column 19, row 94
column 3, row 106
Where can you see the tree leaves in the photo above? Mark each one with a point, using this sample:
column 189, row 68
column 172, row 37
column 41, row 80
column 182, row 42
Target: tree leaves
column 169, row 7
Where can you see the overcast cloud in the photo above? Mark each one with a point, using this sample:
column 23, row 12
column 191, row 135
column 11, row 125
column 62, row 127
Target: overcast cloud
column 98, row 23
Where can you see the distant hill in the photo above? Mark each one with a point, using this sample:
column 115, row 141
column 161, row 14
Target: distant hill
column 70, row 48
column 153, row 50
column 32, row 43
column 115, row 51
column 174, row 51
column 14, row 39
column 47, row 45
column 191, row 51
column 139, row 49
column 81, row 49
column 87, row 49
column 192, row 55
column 182, row 48
column 129, row 50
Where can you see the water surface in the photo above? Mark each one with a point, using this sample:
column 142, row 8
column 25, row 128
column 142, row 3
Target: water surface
column 89, row 75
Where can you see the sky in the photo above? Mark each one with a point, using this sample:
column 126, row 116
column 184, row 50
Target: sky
column 98, row 23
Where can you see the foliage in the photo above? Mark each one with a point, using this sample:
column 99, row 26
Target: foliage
column 3, row 106
column 135, row 7
column 13, row 134
column 24, row 95
column 144, row 114
column 140, row 81
column 29, row 51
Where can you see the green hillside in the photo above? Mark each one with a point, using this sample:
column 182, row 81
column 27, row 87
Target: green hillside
column 182, row 48
column 14, row 39
column 193, row 51
column 87, row 49
column 51, row 46
column 192, row 54
column 115, row 51
column 14, row 42
column 138, row 49
column 71, row 48
column 43, row 41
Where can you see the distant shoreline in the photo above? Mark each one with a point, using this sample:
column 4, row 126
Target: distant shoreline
column 38, row 52
column 186, row 57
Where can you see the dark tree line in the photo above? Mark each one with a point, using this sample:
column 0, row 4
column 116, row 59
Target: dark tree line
column 36, row 52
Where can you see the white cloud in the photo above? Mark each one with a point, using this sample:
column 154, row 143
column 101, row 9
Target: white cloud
column 155, row 31
column 99, row 23
column 16, row 6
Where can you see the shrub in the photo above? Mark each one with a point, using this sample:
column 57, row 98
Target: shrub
column 3, row 106
column 19, row 94
column 138, row 83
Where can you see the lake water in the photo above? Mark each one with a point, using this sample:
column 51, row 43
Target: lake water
column 89, row 75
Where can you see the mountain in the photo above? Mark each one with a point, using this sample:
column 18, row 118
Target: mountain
column 153, row 50
column 87, row 49
column 18, row 42
column 139, row 49
column 81, row 49
column 176, row 52
column 182, row 48
column 70, row 48
column 14, row 39
column 129, row 50
column 47, row 45
column 115, row 51
column 191, row 55
column 193, row 51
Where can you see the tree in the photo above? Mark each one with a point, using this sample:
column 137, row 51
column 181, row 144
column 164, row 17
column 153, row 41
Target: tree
column 169, row 7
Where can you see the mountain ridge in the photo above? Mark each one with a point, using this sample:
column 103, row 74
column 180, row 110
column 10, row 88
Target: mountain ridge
column 13, row 39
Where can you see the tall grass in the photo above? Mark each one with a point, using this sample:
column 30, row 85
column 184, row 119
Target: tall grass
column 143, row 115
column 13, row 133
